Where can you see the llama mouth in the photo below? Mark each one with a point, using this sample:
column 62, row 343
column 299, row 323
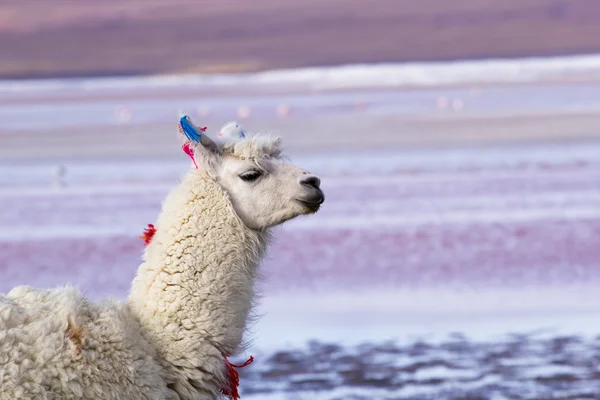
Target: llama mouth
column 311, row 204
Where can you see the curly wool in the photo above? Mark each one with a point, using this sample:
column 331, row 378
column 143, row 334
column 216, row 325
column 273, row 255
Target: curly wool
column 195, row 289
column 188, row 307
column 54, row 344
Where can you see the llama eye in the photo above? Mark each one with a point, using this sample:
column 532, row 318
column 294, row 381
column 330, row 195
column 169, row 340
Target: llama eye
column 250, row 176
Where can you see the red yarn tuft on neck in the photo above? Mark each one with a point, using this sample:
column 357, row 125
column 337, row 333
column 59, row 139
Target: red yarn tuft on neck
column 234, row 378
column 148, row 234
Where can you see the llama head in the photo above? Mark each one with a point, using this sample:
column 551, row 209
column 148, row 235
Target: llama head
column 263, row 188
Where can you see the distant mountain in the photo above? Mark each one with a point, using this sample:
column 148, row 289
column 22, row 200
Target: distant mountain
column 54, row 38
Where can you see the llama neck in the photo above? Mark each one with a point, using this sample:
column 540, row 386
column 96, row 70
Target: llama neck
column 194, row 290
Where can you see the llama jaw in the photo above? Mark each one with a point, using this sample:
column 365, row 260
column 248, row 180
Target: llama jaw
column 312, row 203
column 310, row 208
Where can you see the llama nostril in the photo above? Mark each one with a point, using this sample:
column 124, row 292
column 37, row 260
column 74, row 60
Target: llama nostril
column 311, row 181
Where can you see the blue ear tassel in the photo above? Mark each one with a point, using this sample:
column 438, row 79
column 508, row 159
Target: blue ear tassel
column 188, row 129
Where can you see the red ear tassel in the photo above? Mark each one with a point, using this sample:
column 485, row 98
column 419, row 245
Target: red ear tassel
column 187, row 149
column 234, row 378
column 190, row 152
column 148, row 234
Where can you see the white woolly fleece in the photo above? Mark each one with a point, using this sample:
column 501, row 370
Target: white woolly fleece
column 54, row 344
column 188, row 307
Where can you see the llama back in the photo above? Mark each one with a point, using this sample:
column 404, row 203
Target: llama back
column 55, row 344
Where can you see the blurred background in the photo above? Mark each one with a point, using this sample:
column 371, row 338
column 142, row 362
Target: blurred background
column 457, row 253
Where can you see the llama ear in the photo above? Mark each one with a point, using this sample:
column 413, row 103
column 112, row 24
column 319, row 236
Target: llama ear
column 195, row 134
column 231, row 131
column 208, row 144
column 196, row 141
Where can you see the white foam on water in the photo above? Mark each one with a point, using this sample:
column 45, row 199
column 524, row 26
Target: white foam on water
column 443, row 372
column 432, row 314
column 548, row 371
column 337, row 393
column 520, row 70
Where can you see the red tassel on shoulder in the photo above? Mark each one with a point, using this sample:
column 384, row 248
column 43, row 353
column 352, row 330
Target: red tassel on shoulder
column 234, row 378
column 148, row 234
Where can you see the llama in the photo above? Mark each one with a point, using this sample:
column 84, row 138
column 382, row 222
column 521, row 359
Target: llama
column 190, row 300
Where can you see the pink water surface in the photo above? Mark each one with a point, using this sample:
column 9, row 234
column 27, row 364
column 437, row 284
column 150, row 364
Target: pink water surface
column 470, row 218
